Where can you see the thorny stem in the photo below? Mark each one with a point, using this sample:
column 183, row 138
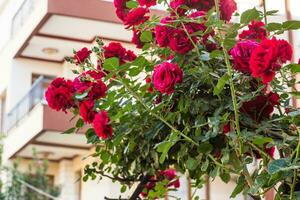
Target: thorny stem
column 265, row 11
column 232, row 88
column 295, row 171
column 138, row 98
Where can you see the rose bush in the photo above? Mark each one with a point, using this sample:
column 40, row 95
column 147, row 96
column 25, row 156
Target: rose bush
column 205, row 98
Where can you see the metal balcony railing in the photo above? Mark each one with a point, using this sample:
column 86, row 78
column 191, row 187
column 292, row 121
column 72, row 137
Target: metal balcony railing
column 25, row 105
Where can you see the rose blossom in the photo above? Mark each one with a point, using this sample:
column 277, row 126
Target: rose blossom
column 102, row 126
column 86, row 111
column 261, row 107
column 165, row 76
column 136, row 16
column 147, row 3
column 136, row 39
column 227, row 8
column 81, row 55
column 176, row 6
column 256, row 31
column 241, row 53
column 269, row 150
column 90, row 82
column 59, row 94
column 162, row 32
column 115, row 49
column 180, row 42
column 268, row 57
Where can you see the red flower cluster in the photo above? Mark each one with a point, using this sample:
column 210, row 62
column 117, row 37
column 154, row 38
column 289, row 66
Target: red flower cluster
column 132, row 17
column 177, row 38
column 102, row 125
column 115, row 49
column 169, row 175
column 256, row 31
column 91, row 83
column 261, row 107
column 241, row 54
column 86, row 110
column 166, row 76
column 59, row 94
column 227, row 7
column 81, row 55
column 268, row 57
column 147, row 3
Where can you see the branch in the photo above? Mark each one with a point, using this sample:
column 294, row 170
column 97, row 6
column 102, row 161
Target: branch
column 122, row 180
column 140, row 187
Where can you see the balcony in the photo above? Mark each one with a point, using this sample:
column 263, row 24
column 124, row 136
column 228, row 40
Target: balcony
column 33, row 125
column 64, row 25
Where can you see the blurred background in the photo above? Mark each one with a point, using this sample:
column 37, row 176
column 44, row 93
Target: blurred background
column 35, row 37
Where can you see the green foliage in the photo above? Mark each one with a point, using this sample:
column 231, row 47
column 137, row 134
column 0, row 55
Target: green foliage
column 185, row 130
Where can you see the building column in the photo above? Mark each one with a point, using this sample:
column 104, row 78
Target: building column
column 67, row 180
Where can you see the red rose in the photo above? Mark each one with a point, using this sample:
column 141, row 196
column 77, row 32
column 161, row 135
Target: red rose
column 256, row 31
column 176, row 6
column 130, row 56
column 285, row 51
column 261, row 107
column 267, row 58
column 81, row 55
column 227, row 8
column 115, row 49
column 226, row 128
column 162, row 32
column 90, row 82
column 121, row 9
column 102, row 125
column 136, row 39
column 180, row 42
column 165, row 76
column 202, row 5
column 121, row 13
column 59, row 94
column 136, row 16
column 86, row 111
column 241, row 54
column 97, row 90
column 147, row 3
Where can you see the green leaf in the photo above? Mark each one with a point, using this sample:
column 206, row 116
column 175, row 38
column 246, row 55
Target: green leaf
column 278, row 165
column 239, row 187
column 249, row 15
column 132, row 4
column 81, row 96
column 69, row 131
column 221, row 83
column 295, row 68
column 146, row 36
column 79, row 123
column 205, row 147
column 191, row 163
column 291, row 25
column 274, row 27
column 225, row 177
column 262, row 140
column 229, row 43
column 111, row 63
column 123, row 188
column 165, row 146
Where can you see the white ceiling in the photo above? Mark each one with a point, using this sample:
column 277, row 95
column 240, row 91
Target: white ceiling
column 57, row 146
column 37, row 44
column 83, row 29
